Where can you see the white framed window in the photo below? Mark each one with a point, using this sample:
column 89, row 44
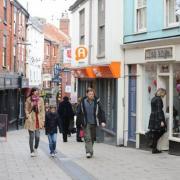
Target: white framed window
column 47, row 49
column 141, row 15
column 101, row 28
column 172, row 13
column 4, row 63
column 82, row 27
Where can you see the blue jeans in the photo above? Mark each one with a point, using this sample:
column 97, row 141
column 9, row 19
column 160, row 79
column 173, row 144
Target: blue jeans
column 52, row 142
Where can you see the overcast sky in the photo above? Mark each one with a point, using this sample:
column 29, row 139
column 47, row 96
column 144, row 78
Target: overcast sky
column 49, row 9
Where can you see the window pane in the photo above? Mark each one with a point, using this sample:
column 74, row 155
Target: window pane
column 171, row 11
column 141, row 18
column 177, row 10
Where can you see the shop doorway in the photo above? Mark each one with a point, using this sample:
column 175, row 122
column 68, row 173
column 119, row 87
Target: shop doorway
column 163, row 82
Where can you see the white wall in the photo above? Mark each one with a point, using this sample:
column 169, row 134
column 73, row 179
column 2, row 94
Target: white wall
column 35, row 50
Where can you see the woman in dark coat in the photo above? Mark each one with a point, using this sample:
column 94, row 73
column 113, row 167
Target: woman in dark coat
column 66, row 115
column 157, row 123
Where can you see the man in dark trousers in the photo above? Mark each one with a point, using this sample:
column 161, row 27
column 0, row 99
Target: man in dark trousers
column 91, row 115
column 66, row 115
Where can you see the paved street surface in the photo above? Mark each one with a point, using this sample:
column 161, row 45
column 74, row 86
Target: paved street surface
column 109, row 162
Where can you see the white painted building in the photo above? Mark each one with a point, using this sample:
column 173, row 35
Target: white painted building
column 97, row 59
column 35, row 54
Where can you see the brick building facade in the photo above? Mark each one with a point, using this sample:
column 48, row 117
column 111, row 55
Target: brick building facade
column 13, row 19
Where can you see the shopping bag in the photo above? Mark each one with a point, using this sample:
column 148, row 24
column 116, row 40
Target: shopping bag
column 81, row 133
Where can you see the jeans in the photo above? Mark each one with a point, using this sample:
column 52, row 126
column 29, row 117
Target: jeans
column 34, row 134
column 89, row 137
column 52, row 142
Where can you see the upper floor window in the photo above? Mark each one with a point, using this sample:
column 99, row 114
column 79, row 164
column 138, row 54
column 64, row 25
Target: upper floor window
column 141, row 15
column 5, row 10
column 4, row 51
column 54, row 51
column 172, row 12
column 15, row 19
column 101, row 28
column 47, row 50
column 82, row 26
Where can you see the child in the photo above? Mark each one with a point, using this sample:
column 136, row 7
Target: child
column 51, row 123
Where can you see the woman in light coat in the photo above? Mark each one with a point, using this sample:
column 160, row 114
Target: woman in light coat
column 35, row 118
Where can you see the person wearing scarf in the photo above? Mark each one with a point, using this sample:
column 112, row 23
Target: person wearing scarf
column 35, row 118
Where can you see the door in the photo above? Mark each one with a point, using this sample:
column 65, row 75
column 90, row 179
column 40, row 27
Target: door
column 132, row 107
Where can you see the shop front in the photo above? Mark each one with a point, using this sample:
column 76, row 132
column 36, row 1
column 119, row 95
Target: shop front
column 104, row 79
column 154, row 67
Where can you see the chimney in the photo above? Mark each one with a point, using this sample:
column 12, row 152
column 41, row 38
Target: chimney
column 64, row 23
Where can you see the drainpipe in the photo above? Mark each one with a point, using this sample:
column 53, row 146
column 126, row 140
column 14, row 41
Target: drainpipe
column 90, row 31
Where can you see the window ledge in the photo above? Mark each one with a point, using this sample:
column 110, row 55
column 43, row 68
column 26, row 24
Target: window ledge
column 171, row 27
column 100, row 56
column 140, row 32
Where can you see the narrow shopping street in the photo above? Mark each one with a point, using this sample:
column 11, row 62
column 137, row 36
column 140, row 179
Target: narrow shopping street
column 109, row 162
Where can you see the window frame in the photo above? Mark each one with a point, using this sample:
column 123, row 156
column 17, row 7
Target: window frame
column 137, row 24
column 167, row 24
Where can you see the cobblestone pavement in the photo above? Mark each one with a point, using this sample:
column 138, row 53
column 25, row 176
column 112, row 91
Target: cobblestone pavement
column 109, row 162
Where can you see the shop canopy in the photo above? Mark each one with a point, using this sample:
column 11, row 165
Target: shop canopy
column 112, row 70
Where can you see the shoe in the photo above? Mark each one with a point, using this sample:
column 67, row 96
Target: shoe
column 55, row 153
column 156, row 151
column 52, row 155
column 33, row 154
column 79, row 140
column 88, row 155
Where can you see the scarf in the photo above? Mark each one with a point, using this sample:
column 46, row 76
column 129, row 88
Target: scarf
column 35, row 100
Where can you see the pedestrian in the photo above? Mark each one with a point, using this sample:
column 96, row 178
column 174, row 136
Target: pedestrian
column 78, row 122
column 46, row 107
column 66, row 115
column 92, row 115
column 35, row 118
column 52, row 121
column 157, row 123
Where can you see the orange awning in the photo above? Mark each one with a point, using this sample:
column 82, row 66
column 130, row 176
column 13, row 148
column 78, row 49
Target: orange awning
column 112, row 70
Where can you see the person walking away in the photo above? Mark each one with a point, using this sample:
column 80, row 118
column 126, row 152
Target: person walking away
column 91, row 115
column 157, row 123
column 78, row 122
column 35, row 118
column 66, row 114
column 52, row 121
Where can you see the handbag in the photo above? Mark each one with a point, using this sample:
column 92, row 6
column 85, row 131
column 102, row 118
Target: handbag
column 81, row 133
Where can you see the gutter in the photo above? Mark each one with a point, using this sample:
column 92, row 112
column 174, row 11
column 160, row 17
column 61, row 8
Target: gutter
column 90, row 31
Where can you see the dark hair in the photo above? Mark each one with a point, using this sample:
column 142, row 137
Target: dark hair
column 90, row 90
column 33, row 90
column 65, row 98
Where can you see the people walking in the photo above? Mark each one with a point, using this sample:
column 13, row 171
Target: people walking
column 52, row 121
column 91, row 115
column 66, row 115
column 35, row 118
column 78, row 123
column 157, row 123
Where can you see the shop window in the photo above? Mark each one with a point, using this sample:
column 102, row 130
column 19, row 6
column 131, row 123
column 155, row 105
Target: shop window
column 176, row 102
column 149, row 88
column 172, row 12
column 141, row 15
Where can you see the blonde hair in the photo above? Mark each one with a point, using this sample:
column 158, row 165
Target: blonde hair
column 160, row 92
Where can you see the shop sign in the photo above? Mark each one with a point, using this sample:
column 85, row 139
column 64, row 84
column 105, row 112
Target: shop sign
column 68, row 89
column 160, row 53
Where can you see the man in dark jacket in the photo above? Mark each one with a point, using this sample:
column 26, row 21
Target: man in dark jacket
column 91, row 115
column 66, row 115
column 157, row 123
column 51, row 123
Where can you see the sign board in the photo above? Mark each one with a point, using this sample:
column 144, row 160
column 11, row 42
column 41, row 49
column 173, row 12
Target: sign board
column 57, row 70
column 159, row 53
column 3, row 125
column 67, row 55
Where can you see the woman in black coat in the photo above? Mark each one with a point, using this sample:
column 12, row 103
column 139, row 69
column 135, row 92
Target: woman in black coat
column 66, row 115
column 157, row 123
